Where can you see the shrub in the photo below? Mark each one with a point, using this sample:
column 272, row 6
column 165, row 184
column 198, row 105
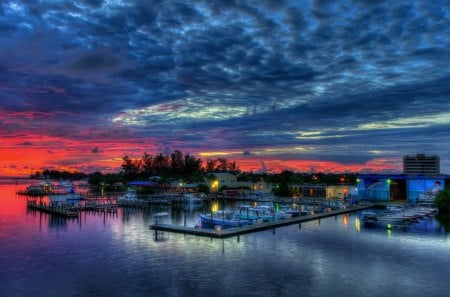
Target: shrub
column 442, row 201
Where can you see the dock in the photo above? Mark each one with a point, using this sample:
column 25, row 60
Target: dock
column 53, row 209
column 224, row 233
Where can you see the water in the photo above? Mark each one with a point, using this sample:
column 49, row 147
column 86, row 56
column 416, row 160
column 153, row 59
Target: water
column 117, row 255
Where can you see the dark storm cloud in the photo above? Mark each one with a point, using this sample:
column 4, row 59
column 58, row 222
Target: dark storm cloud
column 238, row 75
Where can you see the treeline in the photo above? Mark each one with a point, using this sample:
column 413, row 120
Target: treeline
column 187, row 168
column 175, row 165
column 56, row 174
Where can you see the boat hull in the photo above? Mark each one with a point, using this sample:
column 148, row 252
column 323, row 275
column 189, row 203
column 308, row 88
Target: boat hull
column 211, row 223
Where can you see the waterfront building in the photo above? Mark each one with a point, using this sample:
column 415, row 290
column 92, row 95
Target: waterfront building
column 222, row 179
column 229, row 180
column 421, row 164
column 400, row 187
column 340, row 191
column 309, row 190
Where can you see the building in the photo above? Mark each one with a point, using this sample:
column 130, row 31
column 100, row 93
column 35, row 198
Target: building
column 223, row 179
column 229, row 180
column 421, row 164
column 399, row 187
column 340, row 191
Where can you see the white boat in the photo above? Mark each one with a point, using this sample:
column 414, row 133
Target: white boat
column 369, row 218
column 68, row 198
column 192, row 199
column 259, row 213
column 394, row 208
column 224, row 219
column 129, row 196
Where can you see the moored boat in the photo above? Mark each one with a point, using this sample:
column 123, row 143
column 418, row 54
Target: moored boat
column 259, row 213
column 129, row 196
column 369, row 218
column 224, row 219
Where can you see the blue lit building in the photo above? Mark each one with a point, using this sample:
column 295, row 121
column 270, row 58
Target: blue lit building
column 399, row 187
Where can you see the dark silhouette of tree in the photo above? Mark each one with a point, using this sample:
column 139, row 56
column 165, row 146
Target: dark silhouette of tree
column 176, row 163
column 161, row 165
column 131, row 167
column 210, row 165
column 147, row 167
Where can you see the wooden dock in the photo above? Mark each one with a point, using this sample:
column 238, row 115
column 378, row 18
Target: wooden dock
column 224, row 233
column 53, row 209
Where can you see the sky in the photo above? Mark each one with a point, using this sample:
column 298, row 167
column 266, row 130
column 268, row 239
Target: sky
column 330, row 86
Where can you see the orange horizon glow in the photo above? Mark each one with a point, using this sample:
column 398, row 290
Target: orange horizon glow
column 69, row 155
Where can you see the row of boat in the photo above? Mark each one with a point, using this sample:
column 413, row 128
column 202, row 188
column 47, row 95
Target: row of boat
column 396, row 216
column 130, row 197
column 247, row 215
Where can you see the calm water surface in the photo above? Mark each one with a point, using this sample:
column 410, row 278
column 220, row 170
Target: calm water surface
column 117, row 255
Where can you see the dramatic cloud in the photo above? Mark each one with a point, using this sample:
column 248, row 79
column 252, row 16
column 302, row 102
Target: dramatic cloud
column 329, row 85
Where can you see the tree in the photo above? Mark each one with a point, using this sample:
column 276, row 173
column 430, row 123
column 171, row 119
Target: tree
column 161, row 165
column 442, row 202
column 223, row 164
column 147, row 166
column 210, row 165
column 131, row 167
column 282, row 188
column 176, row 163
column 192, row 167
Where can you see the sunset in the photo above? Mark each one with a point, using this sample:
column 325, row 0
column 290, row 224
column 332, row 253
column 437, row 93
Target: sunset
column 345, row 86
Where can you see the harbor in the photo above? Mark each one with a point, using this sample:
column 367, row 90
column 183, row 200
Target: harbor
column 125, row 256
column 224, row 233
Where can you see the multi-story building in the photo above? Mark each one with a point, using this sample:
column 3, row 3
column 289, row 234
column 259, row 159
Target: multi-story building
column 421, row 164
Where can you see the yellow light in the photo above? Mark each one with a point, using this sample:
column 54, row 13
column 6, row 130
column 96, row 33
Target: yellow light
column 345, row 218
column 215, row 206
column 357, row 225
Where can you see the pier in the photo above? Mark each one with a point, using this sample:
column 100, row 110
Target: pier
column 53, row 209
column 224, row 233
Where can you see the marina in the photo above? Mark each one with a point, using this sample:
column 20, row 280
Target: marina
column 98, row 253
column 396, row 216
column 239, row 230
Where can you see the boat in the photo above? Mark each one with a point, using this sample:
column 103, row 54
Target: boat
column 393, row 208
column 292, row 212
column 258, row 214
column 129, row 196
column 369, row 218
column 64, row 193
column 223, row 218
column 43, row 188
column 192, row 199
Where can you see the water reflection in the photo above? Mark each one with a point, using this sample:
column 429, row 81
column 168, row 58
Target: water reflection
column 102, row 254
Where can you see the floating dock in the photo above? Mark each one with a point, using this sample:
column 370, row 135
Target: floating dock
column 53, row 209
column 224, row 233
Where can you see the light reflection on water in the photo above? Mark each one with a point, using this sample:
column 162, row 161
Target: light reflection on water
column 117, row 255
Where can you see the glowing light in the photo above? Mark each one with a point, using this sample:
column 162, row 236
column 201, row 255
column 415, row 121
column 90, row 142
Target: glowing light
column 345, row 220
column 358, row 225
column 214, row 206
